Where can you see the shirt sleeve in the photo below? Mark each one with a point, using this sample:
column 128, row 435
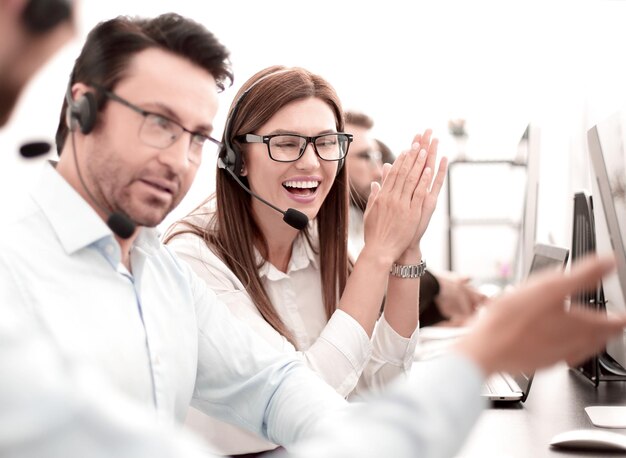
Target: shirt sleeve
column 244, row 381
column 430, row 416
column 343, row 354
column 52, row 406
column 392, row 357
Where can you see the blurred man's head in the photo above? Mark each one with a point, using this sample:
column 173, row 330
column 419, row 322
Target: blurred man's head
column 364, row 162
column 30, row 32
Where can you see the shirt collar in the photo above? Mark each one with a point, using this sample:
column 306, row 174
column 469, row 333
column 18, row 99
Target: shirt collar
column 74, row 221
column 302, row 255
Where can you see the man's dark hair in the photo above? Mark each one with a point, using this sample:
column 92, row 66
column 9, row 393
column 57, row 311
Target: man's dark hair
column 111, row 45
column 359, row 119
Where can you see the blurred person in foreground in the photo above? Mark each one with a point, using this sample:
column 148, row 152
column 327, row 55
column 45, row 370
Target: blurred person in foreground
column 31, row 31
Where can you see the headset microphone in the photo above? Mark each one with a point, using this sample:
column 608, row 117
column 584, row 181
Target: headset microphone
column 34, row 149
column 82, row 114
column 293, row 217
column 119, row 223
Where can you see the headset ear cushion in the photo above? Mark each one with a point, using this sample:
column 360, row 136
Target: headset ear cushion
column 85, row 112
column 232, row 159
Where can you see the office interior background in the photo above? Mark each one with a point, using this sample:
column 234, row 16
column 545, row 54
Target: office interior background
column 497, row 66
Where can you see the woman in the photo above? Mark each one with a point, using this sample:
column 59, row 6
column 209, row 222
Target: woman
column 297, row 289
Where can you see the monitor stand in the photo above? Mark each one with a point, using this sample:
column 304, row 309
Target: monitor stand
column 600, row 368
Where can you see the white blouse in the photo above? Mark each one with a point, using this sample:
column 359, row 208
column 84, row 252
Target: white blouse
column 338, row 349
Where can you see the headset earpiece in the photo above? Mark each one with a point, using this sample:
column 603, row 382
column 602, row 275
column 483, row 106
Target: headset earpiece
column 82, row 112
column 230, row 158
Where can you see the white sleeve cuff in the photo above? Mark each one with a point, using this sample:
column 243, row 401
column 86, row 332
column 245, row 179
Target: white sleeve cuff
column 391, row 347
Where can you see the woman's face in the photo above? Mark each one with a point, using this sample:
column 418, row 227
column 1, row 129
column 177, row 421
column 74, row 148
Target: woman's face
column 303, row 184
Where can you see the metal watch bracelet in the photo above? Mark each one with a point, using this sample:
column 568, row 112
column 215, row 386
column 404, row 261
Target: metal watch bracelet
column 409, row 270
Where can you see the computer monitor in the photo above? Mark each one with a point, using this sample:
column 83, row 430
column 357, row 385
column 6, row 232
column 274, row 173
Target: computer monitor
column 528, row 233
column 608, row 157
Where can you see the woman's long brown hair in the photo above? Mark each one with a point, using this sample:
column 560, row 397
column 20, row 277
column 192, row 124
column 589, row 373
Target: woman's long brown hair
column 232, row 232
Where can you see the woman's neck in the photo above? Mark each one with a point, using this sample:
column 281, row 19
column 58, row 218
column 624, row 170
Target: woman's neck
column 279, row 237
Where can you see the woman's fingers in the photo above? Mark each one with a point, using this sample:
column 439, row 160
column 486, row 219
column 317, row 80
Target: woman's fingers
column 413, row 178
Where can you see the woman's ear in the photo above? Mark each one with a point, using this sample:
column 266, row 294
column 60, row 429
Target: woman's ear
column 244, row 169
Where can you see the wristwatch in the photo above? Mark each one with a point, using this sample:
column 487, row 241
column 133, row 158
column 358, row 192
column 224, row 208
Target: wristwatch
column 409, row 270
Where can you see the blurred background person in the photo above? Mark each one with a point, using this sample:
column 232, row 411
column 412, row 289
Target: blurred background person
column 445, row 296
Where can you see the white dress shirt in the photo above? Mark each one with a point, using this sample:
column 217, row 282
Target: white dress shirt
column 339, row 349
column 158, row 334
column 49, row 409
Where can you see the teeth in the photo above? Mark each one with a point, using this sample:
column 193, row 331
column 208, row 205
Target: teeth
column 301, row 184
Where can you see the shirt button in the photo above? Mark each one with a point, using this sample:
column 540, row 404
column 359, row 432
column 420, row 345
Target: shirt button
column 157, row 360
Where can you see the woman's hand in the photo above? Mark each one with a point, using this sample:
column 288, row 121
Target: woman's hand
column 395, row 210
column 531, row 327
column 412, row 254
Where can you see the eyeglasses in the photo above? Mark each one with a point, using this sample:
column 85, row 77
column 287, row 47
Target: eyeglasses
column 161, row 132
column 291, row 147
column 374, row 157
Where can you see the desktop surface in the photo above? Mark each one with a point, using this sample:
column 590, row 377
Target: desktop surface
column 555, row 404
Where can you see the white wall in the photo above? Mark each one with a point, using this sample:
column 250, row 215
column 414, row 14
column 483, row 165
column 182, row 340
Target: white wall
column 410, row 65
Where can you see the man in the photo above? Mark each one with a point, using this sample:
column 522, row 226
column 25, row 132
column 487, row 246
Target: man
column 30, row 32
column 50, row 406
column 124, row 306
column 445, row 296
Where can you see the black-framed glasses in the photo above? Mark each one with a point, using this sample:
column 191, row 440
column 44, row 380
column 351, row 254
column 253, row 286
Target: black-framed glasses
column 291, row 147
column 161, row 132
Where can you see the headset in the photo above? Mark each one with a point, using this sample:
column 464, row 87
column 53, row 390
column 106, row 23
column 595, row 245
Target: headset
column 81, row 113
column 230, row 158
column 41, row 16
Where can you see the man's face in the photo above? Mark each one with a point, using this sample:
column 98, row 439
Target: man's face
column 363, row 161
column 128, row 175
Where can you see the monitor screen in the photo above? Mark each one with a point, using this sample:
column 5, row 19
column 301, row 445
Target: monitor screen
column 608, row 158
column 528, row 233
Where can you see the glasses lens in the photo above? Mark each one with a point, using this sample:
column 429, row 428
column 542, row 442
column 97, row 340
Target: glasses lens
column 374, row 157
column 332, row 147
column 201, row 146
column 286, row 147
column 159, row 131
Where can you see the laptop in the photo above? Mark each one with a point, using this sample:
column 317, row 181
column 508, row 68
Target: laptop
column 503, row 387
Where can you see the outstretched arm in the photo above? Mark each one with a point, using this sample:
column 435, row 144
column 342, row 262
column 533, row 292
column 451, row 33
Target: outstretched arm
column 432, row 415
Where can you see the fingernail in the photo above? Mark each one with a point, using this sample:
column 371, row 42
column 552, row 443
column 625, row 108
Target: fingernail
column 422, row 154
column 415, row 146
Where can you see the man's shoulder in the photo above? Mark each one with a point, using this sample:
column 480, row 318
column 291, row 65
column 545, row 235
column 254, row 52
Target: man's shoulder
column 20, row 217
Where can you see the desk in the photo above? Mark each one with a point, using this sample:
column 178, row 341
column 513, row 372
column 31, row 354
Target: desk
column 555, row 404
